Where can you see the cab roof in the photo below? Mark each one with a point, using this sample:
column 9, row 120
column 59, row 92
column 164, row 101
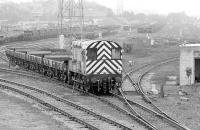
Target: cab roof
column 84, row 44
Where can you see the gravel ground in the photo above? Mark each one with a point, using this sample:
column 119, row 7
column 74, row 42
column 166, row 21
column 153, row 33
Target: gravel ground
column 186, row 112
column 140, row 56
column 17, row 114
column 51, row 42
column 65, row 92
column 145, row 55
column 88, row 102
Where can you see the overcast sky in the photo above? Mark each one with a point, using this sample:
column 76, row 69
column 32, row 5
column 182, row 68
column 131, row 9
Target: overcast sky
column 191, row 7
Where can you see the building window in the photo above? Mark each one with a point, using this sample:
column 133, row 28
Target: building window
column 92, row 54
column 116, row 54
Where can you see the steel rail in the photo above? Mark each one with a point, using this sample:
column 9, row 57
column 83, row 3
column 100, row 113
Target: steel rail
column 56, row 109
column 181, row 126
column 146, row 65
column 132, row 116
column 22, row 73
column 134, row 112
column 148, row 110
column 139, row 89
column 97, row 97
column 69, row 103
column 141, row 121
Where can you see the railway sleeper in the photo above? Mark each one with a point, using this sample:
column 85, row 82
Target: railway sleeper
column 51, row 106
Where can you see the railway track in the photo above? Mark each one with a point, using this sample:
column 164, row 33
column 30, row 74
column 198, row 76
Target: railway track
column 159, row 121
column 123, row 103
column 23, row 73
column 110, row 104
column 137, row 118
column 151, row 109
column 115, row 106
column 65, row 107
column 133, row 114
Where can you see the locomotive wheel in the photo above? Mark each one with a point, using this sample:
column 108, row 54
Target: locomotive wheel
column 95, row 89
column 86, row 87
column 92, row 90
column 40, row 70
column 89, row 88
column 104, row 88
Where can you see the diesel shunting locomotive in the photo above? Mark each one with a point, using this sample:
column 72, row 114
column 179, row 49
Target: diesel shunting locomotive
column 91, row 65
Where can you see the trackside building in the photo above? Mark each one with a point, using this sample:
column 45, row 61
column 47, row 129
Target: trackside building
column 189, row 64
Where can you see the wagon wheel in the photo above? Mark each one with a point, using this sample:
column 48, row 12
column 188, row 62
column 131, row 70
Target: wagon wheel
column 104, row 88
column 50, row 74
column 43, row 71
column 13, row 63
column 40, row 70
column 87, row 87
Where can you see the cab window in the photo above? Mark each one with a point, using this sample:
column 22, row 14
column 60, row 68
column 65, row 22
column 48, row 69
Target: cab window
column 116, row 54
column 92, row 54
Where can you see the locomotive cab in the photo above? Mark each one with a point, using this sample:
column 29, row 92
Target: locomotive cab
column 104, row 66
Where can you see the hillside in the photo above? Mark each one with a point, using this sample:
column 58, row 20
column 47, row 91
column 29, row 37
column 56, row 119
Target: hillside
column 14, row 12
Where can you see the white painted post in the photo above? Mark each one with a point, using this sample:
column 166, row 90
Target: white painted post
column 100, row 35
column 61, row 41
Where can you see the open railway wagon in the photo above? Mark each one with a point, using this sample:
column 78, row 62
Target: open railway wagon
column 92, row 65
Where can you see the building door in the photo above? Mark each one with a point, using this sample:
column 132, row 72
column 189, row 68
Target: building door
column 197, row 70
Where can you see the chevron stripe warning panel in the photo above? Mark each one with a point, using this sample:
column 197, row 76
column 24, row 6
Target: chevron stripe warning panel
column 104, row 67
column 104, row 49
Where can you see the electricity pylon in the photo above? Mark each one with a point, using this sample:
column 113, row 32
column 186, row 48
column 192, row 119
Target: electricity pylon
column 120, row 7
column 71, row 17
